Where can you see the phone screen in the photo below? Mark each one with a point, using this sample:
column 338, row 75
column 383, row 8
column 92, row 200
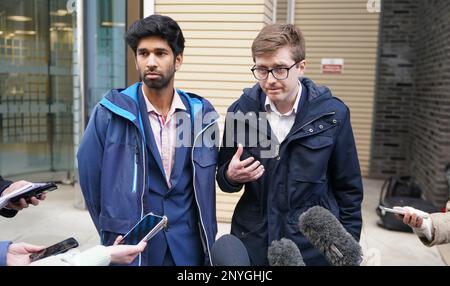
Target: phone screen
column 58, row 248
column 146, row 228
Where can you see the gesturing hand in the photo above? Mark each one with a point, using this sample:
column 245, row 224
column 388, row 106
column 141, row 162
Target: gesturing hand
column 240, row 172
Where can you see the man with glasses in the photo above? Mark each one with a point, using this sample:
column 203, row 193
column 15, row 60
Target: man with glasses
column 290, row 143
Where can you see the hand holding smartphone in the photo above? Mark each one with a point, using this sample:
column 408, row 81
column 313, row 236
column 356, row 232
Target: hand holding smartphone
column 145, row 229
column 401, row 211
column 26, row 192
column 58, row 248
column 35, row 190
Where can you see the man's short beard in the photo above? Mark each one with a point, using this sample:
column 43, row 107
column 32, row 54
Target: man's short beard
column 161, row 83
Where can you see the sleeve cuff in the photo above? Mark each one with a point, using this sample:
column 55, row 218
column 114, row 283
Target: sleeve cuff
column 425, row 231
column 7, row 212
column 227, row 184
column 4, row 246
column 96, row 256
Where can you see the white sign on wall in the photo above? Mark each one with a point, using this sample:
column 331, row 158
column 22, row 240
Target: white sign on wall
column 374, row 6
column 332, row 66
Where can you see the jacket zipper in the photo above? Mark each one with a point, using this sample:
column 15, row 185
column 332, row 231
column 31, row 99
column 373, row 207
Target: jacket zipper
column 144, row 178
column 195, row 192
column 135, row 169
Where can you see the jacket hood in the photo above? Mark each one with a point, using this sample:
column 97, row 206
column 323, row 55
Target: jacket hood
column 125, row 103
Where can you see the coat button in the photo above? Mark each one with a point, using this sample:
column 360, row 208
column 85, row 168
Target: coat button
column 334, row 121
column 311, row 130
column 278, row 158
column 321, row 126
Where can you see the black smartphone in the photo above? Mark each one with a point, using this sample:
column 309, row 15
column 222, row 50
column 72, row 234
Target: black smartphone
column 58, row 248
column 145, row 229
column 35, row 191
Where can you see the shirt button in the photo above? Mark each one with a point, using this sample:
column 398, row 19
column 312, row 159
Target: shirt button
column 321, row 126
column 334, row 121
column 311, row 130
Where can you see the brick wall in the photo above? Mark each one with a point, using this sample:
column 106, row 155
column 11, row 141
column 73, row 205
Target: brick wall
column 430, row 121
column 394, row 89
column 412, row 113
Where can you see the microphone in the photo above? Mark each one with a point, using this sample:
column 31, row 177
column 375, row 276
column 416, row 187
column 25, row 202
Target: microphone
column 228, row 250
column 284, row 252
column 327, row 234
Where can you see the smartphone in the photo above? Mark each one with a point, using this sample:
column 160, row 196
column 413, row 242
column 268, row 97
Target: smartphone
column 399, row 211
column 58, row 248
column 145, row 229
column 35, row 191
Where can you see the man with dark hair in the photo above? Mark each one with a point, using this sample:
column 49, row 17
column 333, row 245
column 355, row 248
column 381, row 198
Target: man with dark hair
column 305, row 153
column 145, row 150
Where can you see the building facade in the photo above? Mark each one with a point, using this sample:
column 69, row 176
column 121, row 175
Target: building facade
column 58, row 57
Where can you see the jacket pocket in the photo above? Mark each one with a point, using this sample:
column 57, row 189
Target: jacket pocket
column 295, row 214
column 245, row 227
column 205, row 156
column 316, row 142
column 122, row 167
column 310, row 157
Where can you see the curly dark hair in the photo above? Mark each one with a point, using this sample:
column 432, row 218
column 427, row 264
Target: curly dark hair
column 156, row 25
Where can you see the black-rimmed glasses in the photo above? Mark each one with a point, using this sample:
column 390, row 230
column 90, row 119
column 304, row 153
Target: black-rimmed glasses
column 278, row 73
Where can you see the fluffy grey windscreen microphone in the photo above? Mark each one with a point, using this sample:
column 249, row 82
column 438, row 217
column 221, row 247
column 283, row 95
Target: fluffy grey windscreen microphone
column 284, row 252
column 327, row 234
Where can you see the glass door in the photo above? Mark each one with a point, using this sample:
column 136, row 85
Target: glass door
column 36, row 86
column 46, row 90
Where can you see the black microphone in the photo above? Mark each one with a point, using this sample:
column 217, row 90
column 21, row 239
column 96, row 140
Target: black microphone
column 284, row 252
column 327, row 234
column 228, row 250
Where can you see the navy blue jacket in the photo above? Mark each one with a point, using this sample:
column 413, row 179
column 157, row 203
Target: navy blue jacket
column 317, row 164
column 121, row 176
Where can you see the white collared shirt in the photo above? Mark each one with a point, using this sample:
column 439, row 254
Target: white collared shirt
column 281, row 124
column 164, row 131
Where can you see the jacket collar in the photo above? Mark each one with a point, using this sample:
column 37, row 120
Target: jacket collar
column 312, row 103
column 126, row 103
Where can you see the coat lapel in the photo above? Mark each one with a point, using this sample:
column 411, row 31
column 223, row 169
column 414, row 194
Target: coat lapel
column 178, row 166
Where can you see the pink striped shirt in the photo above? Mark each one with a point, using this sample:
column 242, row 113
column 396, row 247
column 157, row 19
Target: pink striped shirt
column 164, row 131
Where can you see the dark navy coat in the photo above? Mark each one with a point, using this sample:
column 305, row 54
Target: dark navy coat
column 317, row 164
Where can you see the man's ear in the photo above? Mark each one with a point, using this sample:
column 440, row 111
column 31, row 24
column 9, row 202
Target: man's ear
column 178, row 62
column 136, row 64
column 302, row 66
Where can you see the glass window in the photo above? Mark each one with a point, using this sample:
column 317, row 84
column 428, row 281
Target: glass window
column 39, row 74
column 106, row 48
